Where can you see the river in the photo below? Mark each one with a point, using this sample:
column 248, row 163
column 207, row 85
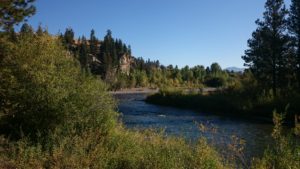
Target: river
column 137, row 114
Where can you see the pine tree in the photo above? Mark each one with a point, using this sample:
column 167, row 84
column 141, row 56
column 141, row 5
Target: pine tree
column 69, row 36
column 129, row 50
column 15, row 11
column 40, row 31
column 294, row 28
column 125, row 48
column 69, row 39
column 108, row 55
column 119, row 47
column 26, row 29
column 267, row 57
column 93, row 43
column 83, row 53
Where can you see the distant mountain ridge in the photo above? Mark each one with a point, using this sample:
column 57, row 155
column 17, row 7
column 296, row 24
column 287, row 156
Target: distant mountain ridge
column 235, row 69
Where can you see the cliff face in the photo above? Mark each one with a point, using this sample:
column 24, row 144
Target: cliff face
column 125, row 63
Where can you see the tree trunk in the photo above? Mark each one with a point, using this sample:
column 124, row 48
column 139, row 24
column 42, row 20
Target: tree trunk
column 298, row 62
column 274, row 84
column 274, row 79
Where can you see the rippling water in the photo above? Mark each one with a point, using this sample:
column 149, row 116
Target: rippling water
column 177, row 122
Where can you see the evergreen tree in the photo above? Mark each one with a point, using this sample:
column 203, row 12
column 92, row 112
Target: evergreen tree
column 15, row 11
column 26, row 29
column 83, row 53
column 294, row 27
column 93, row 43
column 40, row 31
column 68, row 39
column 108, row 54
column 125, row 48
column 129, row 50
column 267, row 57
column 119, row 47
column 69, row 36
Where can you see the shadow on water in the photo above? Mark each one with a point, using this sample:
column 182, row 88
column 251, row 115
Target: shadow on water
column 137, row 114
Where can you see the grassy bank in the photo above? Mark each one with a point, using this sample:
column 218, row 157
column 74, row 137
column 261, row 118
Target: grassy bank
column 231, row 103
column 119, row 148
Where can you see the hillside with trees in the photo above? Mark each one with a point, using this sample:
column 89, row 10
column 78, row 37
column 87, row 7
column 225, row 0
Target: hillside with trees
column 112, row 60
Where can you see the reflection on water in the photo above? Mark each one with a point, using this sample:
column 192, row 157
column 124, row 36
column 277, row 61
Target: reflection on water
column 140, row 115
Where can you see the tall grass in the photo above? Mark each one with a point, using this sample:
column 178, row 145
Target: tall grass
column 119, row 149
column 229, row 102
column 284, row 153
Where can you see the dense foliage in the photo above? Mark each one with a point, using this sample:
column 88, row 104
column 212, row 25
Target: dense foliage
column 54, row 115
column 283, row 152
column 271, row 56
column 42, row 88
column 14, row 11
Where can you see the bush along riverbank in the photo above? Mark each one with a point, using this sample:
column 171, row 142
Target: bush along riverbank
column 235, row 103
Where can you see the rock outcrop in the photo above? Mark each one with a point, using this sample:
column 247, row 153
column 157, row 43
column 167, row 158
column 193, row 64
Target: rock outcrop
column 125, row 63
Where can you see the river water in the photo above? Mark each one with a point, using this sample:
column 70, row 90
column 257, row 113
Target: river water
column 137, row 114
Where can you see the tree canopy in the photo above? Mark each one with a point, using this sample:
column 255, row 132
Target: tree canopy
column 294, row 28
column 269, row 53
column 15, row 11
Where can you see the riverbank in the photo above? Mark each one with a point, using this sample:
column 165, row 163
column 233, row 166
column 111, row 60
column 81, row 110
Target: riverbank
column 134, row 91
column 144, row 90
column 227, row 105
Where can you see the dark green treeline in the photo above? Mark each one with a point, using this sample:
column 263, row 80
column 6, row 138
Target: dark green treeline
column 112, row 60
column 273, row 54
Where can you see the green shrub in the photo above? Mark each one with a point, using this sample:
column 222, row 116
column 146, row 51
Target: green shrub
column 284, row 153
column 42, row 87
column 216, row 82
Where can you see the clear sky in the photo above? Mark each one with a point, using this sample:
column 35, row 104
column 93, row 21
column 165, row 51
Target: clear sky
column 178, row 32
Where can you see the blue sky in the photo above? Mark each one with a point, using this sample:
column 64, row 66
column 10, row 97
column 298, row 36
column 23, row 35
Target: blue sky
column 178, row 32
